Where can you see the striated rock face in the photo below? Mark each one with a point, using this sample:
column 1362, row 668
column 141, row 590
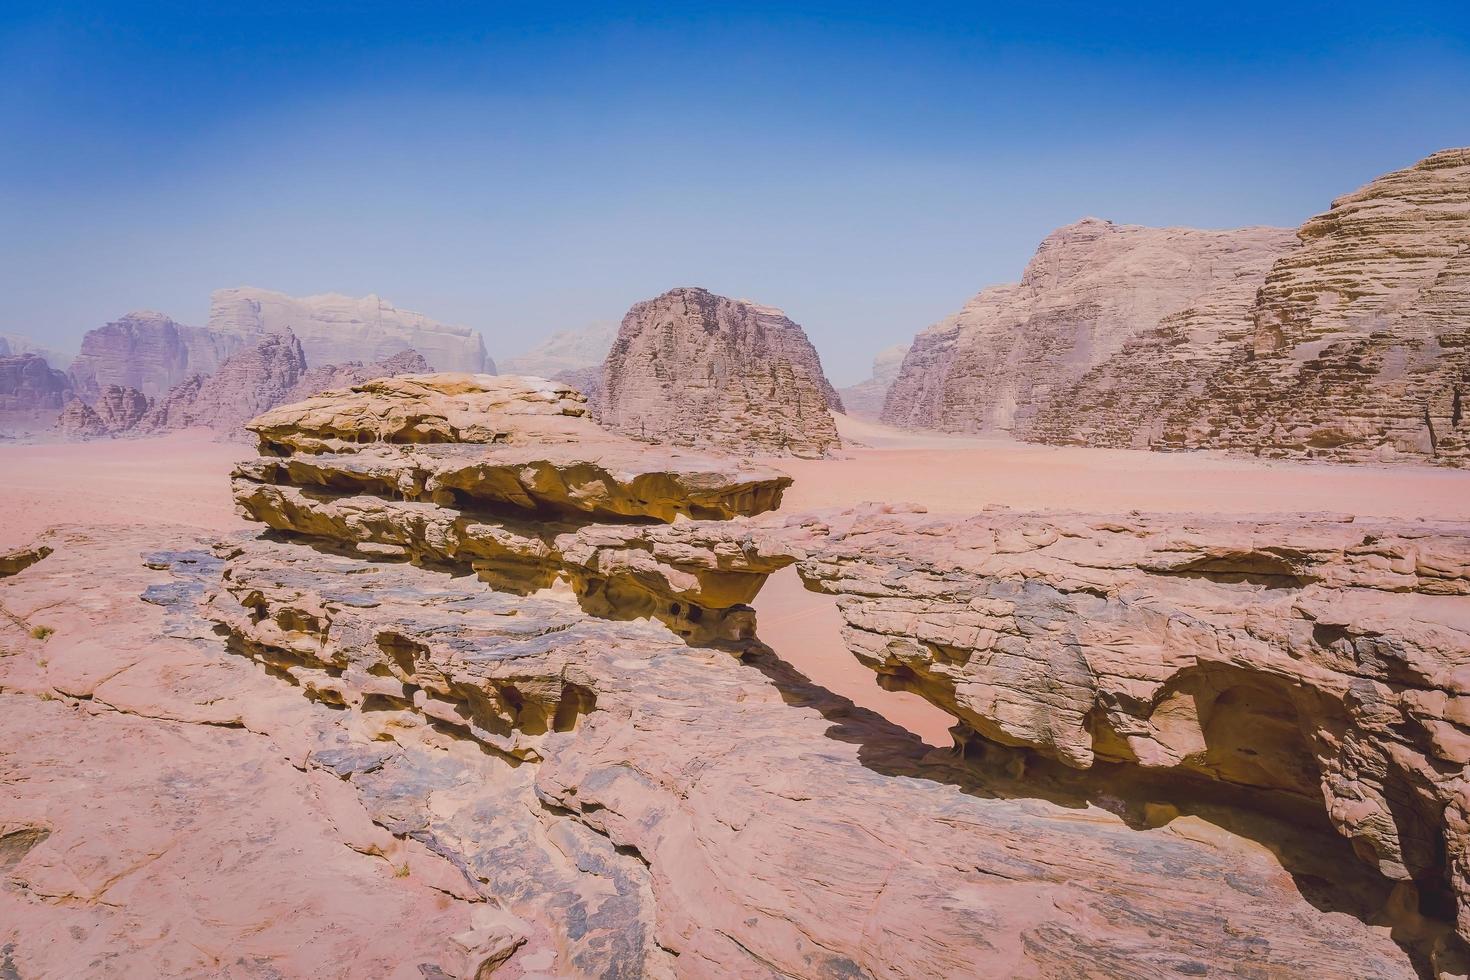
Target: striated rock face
column 1321, row 659
column 690, row 368
column 504, row 476
column 864, row 400
column 336, row 329
column 254, row 379
column 1360, row 348
column 564, row 351
column 29, row 384
column 149, row 352
column 1012, row 358
column 78, row 420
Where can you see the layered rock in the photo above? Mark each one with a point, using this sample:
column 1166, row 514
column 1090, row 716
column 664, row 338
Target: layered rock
column 149, row 352
column 29, row 384
column 564, row 351
column 1325, row 660
column 116, row 411
column 864, row 400
column 1360, row 348
column 80, row 421
column 336, row 329
column 768, row 831
column 1015, row 351
column 256, row 378
column 690, row 368
column 506, row 476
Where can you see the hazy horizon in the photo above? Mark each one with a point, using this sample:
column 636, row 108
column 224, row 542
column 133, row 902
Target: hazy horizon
column 522, row 172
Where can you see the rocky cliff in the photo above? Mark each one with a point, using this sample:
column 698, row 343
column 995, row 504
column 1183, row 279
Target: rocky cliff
column 336, row 329
column 29, row 384
column 690, row 368
column 864, row 400
column 1093, row 287
column 257, row 377
column 149, row 352
column 1360, row 340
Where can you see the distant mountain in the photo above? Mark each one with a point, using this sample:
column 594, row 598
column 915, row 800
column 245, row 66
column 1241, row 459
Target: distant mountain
column 335, row 329
column 565, row 350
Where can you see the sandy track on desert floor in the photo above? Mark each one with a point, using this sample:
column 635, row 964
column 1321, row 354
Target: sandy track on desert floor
column 182, row 479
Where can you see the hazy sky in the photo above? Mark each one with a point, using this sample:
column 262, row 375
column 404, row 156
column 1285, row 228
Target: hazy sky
column 522, row 168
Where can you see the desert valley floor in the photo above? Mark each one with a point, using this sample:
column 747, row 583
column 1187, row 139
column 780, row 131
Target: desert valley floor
column 186, row 838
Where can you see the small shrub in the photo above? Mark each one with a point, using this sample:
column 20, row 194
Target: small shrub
column 41, row 632
column 401, row 871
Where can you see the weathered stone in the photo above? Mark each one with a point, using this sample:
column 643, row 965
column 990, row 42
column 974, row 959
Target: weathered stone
column 1093, row 286
column 1360, row 349
column 149, row 352
column 776, row 838
column 1324, row 658
column 28, row 384
column 690, row 368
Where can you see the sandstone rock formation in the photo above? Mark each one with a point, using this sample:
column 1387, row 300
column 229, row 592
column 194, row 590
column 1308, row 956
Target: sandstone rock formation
column 256, row 378
column 1015, row 351
column 565, row 350
column 149, row 352
column 690, row 368
column 335, row 329
column 80, row 421
column 864, row 400
column 502, row 475
column 1321, row 659
column 643, row 803
column 1360, row 349
column 116, row 411
column 29, row 384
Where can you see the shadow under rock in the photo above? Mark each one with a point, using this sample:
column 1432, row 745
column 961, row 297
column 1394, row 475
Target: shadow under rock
column 1322, row 864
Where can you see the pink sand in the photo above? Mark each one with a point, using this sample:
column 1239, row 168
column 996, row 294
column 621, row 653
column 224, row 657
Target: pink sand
column 181, row 479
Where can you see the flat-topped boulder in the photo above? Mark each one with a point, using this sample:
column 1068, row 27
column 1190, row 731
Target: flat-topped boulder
column 496, row 441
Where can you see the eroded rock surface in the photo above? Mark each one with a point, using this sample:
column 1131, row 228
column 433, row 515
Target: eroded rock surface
column 32, row 393
column 1361, row 343
column 1093, row 287
column 1326, row 658
column 148, row 352
column 509, row 476
column 337, row 329
column 801, row 850
column 690, row 368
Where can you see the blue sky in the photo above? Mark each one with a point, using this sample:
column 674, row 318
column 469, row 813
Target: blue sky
column 521, row 168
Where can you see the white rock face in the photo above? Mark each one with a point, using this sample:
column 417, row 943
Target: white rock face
column 1091, row 288
column 864, row 400
column 335, row 329
column 565, row 350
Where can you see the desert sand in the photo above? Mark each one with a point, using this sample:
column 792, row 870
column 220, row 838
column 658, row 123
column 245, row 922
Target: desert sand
column 182, row 479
